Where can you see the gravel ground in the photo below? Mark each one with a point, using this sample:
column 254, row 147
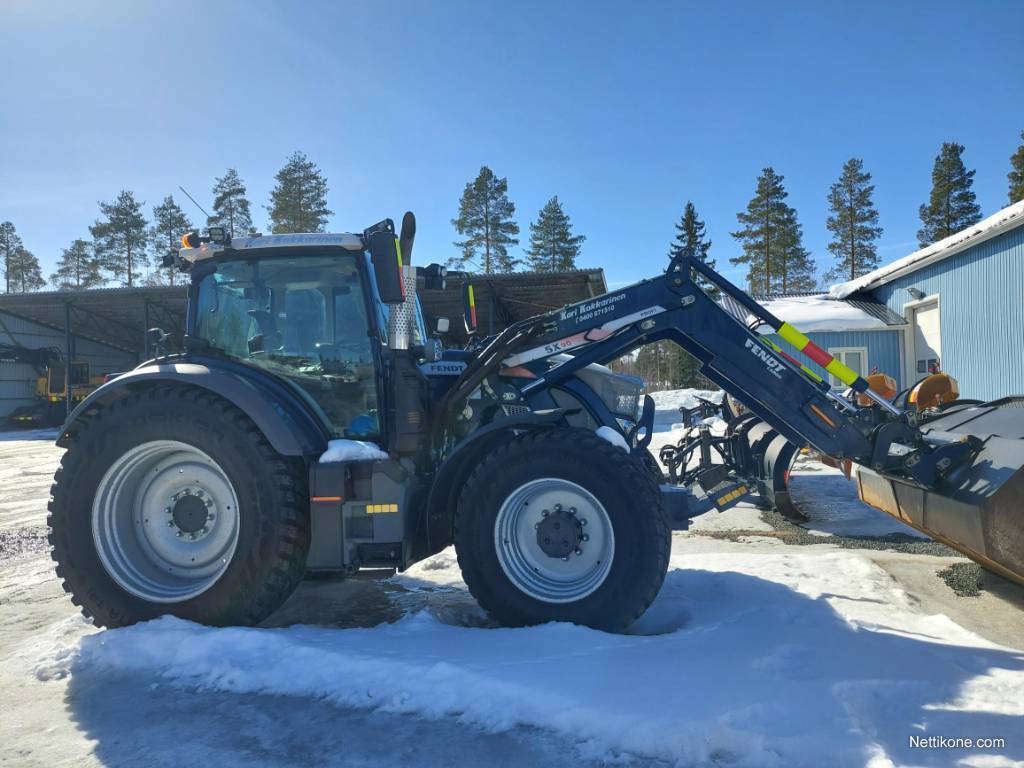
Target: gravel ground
column 22, row 542
column 963, row 578
column 790, row 533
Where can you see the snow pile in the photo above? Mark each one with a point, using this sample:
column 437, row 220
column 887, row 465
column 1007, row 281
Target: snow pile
column 674, row 399
column 777, row 659
column 668, row 402
column 613, row 436
column 351, row 450
column 819, row 313
column 1000, row 221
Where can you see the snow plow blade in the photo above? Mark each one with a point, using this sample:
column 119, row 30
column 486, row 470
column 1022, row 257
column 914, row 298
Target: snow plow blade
column 766, row 457
column 978, row 508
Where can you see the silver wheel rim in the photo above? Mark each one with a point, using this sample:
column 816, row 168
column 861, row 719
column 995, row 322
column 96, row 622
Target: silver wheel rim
column 534, row 571
column 165, row 521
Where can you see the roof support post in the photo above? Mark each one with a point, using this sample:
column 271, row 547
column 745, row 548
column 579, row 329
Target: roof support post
column 494, row 309
column 145, row 329
column 67, row 357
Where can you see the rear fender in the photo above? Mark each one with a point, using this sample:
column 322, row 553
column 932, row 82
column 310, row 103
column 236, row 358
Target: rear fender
column 288, row 423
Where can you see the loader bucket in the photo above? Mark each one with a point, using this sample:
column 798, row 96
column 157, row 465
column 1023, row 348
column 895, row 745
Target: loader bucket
column 977, row 508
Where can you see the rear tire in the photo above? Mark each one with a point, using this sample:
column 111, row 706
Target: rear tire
column 245, row 512
column 512, row 566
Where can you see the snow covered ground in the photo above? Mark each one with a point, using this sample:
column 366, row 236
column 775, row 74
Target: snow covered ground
column 754, row 654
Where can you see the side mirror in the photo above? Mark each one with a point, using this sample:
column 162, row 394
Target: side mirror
column 441, row 325
column 387, row 265
column 469, row 308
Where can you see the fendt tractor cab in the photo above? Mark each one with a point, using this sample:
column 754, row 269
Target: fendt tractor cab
column 314, row 423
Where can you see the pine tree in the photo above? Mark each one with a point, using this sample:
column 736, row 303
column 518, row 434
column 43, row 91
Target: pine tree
column 797, row 269
column 78, row 268
column 772, row 241
column 121, row 238
column 299, row 201
column 690, row 239
column 1016, row 174
column 951, row 206
column 10, row 244
column 666, row 365
column 853, row 223
column 230, row 206
column 24, row 273
column 169, row 224
column 485, row 220
column 553, row 246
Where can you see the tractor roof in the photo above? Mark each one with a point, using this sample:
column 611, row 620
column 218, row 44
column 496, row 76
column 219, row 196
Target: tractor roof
column 311, row 239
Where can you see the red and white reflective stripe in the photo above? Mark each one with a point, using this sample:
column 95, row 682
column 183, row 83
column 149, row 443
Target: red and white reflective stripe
column 580, row 339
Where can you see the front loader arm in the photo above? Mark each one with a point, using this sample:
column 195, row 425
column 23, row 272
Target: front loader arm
column 672, row 306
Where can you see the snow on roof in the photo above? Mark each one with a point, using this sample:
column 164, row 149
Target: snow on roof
column 820, row 313
column 1007, row 218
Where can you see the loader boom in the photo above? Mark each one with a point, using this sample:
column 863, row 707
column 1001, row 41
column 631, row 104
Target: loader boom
column 773, row 385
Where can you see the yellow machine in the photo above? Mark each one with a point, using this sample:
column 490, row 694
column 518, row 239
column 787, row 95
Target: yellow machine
column 50, row 408
column 53, row 385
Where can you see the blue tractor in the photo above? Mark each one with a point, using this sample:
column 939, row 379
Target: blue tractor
column 314, row 424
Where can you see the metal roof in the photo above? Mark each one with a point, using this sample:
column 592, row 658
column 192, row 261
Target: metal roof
column 119, row 317
column 1001, row 221
column 502, row 299
column 116, row 317
column 872, row 308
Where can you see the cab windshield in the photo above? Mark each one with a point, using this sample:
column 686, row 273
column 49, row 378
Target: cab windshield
column 303, row 318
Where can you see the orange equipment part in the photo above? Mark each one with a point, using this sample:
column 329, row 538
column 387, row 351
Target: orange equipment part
column 844, row 464
column 933, row 391
column 882, row 384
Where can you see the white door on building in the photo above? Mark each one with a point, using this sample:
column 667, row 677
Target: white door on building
column 927, row 340
column 854, row 358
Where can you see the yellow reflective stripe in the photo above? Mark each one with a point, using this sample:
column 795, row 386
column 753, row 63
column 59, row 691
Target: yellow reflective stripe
column 811, row 373
column 472, row 297
column 793, row 336
column 398, row 251
column 841, row 372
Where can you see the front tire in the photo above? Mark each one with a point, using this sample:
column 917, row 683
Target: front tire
column 560, row 525
column 171, row 501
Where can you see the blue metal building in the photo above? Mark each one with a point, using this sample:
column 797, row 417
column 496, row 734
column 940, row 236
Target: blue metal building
column 963, row 301
column 955, row 306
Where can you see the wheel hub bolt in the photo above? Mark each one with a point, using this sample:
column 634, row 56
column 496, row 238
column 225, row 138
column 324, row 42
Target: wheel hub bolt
column 544, row 513
column 583, row 521
column 586, row 537
column 578, row 551
column 558, row 507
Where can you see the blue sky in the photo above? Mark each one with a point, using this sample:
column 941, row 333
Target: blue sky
column 625, row 111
